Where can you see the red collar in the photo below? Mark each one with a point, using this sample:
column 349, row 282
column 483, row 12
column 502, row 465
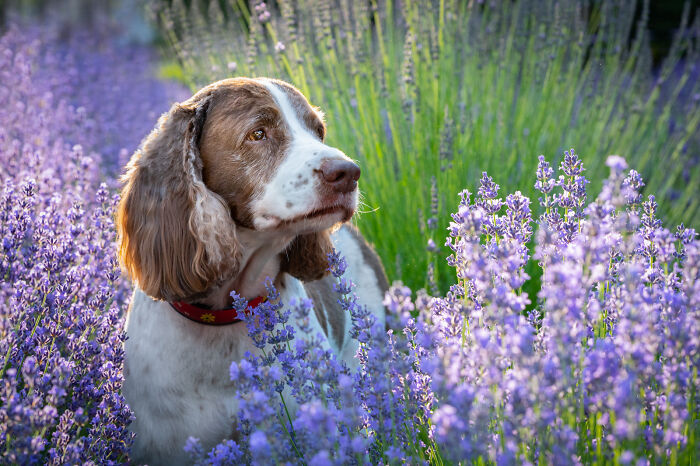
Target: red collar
column 216, row 316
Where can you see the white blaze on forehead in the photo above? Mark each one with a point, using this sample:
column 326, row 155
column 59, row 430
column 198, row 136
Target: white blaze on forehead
column 296, row 126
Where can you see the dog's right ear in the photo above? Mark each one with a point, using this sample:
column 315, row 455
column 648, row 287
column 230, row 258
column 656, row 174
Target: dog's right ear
column 176, row 237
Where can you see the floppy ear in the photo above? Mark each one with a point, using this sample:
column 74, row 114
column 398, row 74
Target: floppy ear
column 176, row 237
column 306, row 258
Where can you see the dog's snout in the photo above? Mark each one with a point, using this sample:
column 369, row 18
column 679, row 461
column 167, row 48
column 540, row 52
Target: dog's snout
column 341, row 175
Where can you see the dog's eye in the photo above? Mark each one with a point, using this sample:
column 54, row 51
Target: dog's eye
column 257, row 135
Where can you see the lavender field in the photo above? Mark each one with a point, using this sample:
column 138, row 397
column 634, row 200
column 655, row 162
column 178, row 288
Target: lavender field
column 563, row 328
column 72, row 114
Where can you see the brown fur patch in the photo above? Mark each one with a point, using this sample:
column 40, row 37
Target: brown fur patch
column 306, row 258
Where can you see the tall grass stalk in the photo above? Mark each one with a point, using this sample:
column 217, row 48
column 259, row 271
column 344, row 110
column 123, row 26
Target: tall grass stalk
column 449, row 89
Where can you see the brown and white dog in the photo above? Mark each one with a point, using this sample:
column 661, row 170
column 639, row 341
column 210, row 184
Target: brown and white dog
column 232, row 186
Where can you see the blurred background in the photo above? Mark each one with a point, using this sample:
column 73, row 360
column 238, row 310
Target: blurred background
column 426, row 94
column 664, row 16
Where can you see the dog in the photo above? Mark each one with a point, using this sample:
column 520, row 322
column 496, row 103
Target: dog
column 233, row 186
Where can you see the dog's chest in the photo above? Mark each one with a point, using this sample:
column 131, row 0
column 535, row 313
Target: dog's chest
column 177, row 377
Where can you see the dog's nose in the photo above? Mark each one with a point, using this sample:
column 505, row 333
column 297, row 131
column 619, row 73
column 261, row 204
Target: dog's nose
column 342, row 175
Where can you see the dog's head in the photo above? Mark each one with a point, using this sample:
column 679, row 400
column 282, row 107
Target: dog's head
column 240, row 152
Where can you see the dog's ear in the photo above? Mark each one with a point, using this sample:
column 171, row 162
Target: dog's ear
column 176, row 237
column 306, row 258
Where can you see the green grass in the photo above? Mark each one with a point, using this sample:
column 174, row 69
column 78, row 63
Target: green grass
column 444, row 90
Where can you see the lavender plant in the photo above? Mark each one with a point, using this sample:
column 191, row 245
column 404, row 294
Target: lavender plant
column 64, row 128
column 429, row 93
column 599, row 364
column 603, row 369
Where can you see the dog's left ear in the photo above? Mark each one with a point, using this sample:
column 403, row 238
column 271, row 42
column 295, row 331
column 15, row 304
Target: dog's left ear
column 306, row 258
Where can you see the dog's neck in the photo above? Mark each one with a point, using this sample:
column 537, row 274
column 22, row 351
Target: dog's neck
column 260, row 260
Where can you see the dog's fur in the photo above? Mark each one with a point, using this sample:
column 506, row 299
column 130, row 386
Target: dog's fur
column 232, row 186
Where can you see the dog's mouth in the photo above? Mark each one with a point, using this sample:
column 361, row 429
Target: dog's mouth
column 315, row 219
column 321, row 212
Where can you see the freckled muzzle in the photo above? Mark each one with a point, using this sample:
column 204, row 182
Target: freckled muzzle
column 340, row 175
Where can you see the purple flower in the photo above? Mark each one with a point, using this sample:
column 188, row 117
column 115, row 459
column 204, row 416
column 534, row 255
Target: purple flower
column 545, row 183
column 632, row 185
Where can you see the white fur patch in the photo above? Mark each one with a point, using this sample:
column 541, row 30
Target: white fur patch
column 367, row 288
